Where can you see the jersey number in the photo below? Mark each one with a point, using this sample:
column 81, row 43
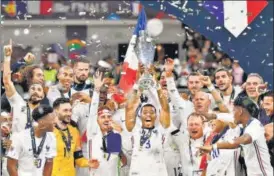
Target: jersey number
column 148, row 144
column 177, row 171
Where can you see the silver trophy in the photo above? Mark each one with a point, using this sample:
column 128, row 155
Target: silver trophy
column 145, row 51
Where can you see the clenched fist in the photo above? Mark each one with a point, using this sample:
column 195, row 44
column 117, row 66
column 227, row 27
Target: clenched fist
column 29, row 58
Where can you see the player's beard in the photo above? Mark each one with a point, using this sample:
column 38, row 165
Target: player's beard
column 225, row 89
column 81, row 79
column 64, row 119
column 35, row 101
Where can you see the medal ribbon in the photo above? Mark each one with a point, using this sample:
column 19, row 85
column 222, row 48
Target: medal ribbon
column 145, row 136
column 37, row 152
column 67, row 141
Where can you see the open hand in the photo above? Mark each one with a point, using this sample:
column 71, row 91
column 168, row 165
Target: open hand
column 98, row 79
column 169, row 65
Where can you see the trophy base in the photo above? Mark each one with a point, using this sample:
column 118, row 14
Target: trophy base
column 146, row 82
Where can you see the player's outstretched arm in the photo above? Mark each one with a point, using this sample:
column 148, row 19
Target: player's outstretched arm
column 92, row 125
column 131, row 107
column 236, row 143
column 8, row 84
column 165, row 113
column 12, row 166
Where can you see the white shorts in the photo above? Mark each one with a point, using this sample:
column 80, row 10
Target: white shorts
column 172, row 160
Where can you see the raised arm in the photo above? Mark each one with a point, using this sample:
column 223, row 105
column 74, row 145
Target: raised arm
column 165, row 112
column 92, row 126
column 8, row 84
column 173, row 92
column 131, row 107
column 215, row 93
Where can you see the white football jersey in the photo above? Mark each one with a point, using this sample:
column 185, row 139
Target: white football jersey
column 80, row 114
column 108, row 166
column 256, row 154
column 227, row 163
column 21, row 150
column 19, row 108
column 229, row 99
column 180, row 108
column 148, row 158
column 54, row 93
column 171, row 153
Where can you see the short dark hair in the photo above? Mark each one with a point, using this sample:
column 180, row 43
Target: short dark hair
column 41, row 111
column 148, row 105
column 269, row 94
column 249, row 105
column 80, row 60
column 60, row 101
column 192, row 74
column 222, row 69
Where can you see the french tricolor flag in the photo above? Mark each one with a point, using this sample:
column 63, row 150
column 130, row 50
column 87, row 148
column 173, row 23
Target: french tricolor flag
column 235, row 15
column 39, row 7
column 136, row 8
column 130, row 65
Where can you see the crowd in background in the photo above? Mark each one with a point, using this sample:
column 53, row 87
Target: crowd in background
column 208, row 82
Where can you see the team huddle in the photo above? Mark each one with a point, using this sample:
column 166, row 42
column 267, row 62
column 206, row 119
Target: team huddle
column 75, row 128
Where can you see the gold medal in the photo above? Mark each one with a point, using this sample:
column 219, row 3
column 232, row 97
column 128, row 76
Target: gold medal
column 37, row 162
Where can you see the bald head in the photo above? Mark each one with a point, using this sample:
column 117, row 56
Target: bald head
column 201, row 102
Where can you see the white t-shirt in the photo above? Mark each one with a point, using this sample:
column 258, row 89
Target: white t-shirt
column 19, row 107
column 256, row 154
column 54, row 93
column 227, row 163
column 21, row 150
column 148, row 159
